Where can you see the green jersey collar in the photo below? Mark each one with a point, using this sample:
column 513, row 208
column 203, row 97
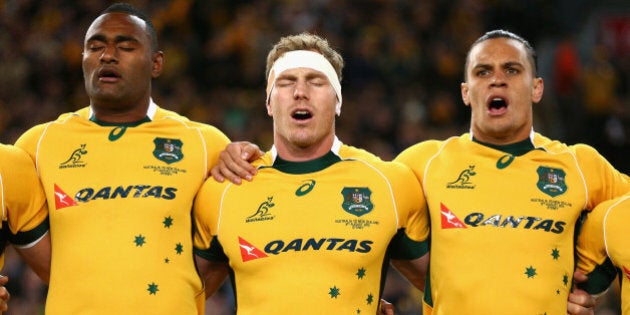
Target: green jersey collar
column 516, row 149
column 311, row 166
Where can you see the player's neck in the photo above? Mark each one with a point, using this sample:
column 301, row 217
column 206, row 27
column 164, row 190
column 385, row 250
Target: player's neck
column 295, row 153
column 120, row 114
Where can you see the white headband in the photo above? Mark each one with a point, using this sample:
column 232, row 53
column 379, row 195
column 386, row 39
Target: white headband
column 305, row 59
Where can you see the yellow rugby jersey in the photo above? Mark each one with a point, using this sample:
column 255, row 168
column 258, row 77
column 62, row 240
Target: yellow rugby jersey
column 24, row 211
column 313, row 237
column 502, row 225
column 604, row 250
column 120, row 211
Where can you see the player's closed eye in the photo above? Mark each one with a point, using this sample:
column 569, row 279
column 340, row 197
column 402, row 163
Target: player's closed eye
column 95, row 47
column 318, row 82
column 284, row 82
column 126, row 48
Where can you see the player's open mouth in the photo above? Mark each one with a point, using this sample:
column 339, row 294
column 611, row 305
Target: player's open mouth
column 108, row 74
column 301, row 114
column 497, row 103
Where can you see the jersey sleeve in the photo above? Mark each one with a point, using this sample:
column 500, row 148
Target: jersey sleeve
column 350, row 152
column 411, row 240
column 602, row 180
column 24, row 201
column 215, row 140
column 591, row 250
column 202, row 210
column 214, row 252
column 206, row 211
column 417, row 156
column 28, row 141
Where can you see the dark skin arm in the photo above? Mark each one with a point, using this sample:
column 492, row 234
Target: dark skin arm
column 386, row 308
column 580, row 302
column 235, row 162
column 415, row 271
column 38, row 257
column 212, row 273
column 4, row 294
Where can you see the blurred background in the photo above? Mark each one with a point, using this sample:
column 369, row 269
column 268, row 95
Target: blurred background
column 404, row 65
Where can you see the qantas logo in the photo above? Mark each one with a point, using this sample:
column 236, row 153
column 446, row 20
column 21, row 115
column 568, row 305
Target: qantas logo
column 249, row 251
column 133, row 191
column 478, row 219
column 62, row 200
column 449, row 220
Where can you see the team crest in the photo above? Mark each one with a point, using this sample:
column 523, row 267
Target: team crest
column 551, row 181
column 357, row 200
column 168, row 150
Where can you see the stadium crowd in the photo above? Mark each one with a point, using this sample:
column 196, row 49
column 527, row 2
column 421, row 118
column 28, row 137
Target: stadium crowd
column 401, row 83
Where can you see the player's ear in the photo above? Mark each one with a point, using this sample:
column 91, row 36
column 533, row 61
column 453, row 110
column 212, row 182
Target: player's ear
column 157, row 59
column 269, row 111
column 464, row 90
column 537, row 90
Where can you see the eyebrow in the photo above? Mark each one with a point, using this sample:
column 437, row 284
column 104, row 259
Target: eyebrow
column 117, row 39
column 505, row 65
column 510, row 64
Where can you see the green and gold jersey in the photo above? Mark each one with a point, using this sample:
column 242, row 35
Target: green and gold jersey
column 120, row 199
column 313, row 237
column 604, row 249
column 24, row 211
column 502, row 224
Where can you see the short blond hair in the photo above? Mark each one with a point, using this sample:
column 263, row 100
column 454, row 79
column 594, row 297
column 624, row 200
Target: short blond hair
column 305, row 41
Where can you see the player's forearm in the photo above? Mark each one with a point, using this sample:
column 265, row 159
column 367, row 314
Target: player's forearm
column 212, row 273
column 38, row 257
column 414, row 270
